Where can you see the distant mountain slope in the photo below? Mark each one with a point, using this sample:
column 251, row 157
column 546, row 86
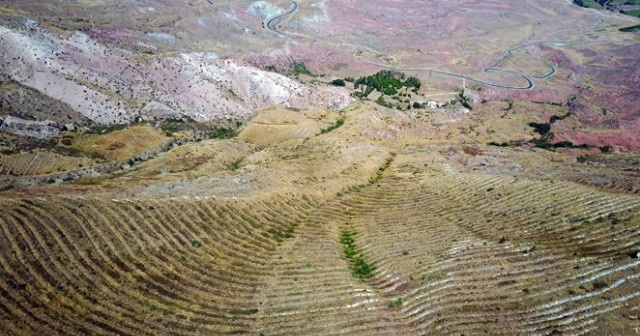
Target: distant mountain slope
column 110, row 85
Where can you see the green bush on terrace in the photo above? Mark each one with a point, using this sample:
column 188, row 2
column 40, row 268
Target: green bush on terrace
column 337, row 124
column 360, row 268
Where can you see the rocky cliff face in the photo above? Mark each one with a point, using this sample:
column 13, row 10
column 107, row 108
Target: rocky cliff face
column 37, row 129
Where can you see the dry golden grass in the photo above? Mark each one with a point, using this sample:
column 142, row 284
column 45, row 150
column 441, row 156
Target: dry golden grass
column 243, row 235
column 5, row 10
column 279, row 124
column 121, row 145
column 197, row 159
column 40, row 163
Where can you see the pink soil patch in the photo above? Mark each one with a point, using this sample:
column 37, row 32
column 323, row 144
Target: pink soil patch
column 111, row 35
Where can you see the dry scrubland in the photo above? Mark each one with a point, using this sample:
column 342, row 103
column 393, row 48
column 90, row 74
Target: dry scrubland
column 237, row 192
column 247, row 236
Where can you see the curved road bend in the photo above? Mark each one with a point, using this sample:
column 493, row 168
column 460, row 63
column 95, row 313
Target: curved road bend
column 552, row 69
column 269, row 21
column 527, row 86
column 528, row 83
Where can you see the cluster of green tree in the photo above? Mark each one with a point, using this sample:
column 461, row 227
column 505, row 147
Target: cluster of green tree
column 612, row 5
column 387, row 82
column 394, row 84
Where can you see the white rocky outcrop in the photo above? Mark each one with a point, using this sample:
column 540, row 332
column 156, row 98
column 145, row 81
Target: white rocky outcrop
column 37, row 129
column 110, row 85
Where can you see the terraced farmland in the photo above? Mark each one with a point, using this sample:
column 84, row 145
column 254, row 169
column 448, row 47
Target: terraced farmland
column 370, row 228
column 134, row 267
column 506, row 256
column 40, row 163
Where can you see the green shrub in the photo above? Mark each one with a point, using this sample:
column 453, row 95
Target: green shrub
column 222, row 133
column 382, row 102
column 414, row 82
column 337, row 124
column 300, row 68
column 378, row 174
column 395, row 303
column 359, row 267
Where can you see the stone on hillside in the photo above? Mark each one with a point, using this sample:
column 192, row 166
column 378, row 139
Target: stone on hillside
column 36, row 129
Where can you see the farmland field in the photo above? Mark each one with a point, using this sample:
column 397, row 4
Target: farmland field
column 451, row 250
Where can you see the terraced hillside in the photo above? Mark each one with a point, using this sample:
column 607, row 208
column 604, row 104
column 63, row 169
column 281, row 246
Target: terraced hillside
column 372, row 227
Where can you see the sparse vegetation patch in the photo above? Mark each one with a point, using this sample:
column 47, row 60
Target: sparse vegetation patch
column 378, row 174
column 359, row 267
column 337, row 124
column 395, row 303
column 222, row 133
column 301, row 69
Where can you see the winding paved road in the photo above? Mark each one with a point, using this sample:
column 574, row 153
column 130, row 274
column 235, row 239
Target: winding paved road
column 527, row 86
column 527, row 78
column 269, row 21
